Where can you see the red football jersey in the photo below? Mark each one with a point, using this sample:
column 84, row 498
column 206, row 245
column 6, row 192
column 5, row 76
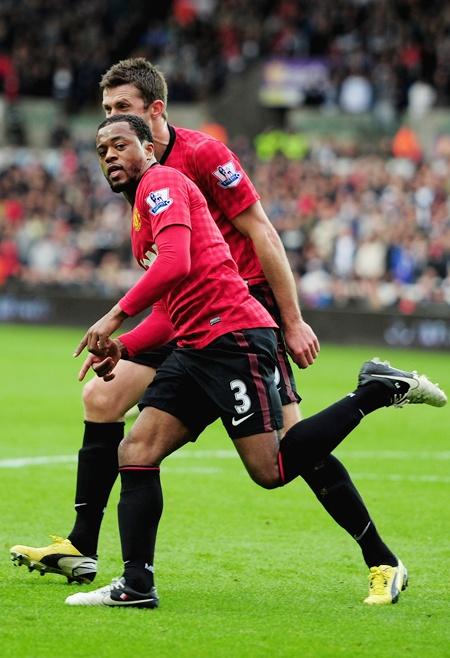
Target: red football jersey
column 212, row 299
column 228, row 190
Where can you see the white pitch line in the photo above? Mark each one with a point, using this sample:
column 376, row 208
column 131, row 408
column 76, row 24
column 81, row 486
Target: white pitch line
column 71, row 459
column 395, row 454
column 394, row 477
column 23, row 462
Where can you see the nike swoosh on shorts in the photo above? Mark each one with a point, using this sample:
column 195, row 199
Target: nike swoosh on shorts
column 235, row 422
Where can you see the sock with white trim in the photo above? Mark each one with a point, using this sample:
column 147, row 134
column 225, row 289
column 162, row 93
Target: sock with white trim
column 139, row 511
column 333, row 487
column 97, row 471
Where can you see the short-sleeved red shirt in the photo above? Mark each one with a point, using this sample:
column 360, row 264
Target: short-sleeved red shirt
column 212, row 299
column 228, row 190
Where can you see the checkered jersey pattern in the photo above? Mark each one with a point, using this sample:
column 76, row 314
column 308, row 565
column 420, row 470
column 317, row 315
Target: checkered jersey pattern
column 212, row 299
column 228, row 190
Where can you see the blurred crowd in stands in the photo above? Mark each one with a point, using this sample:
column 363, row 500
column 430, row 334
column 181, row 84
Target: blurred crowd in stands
column 364, row 231
column 361, row 230
column 380, row 54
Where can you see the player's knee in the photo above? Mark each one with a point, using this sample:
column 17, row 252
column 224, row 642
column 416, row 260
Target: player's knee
column 99, row 404
column 266, row 478
column 136, row 448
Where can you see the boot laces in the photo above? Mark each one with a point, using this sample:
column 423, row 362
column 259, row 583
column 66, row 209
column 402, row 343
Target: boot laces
column 378, row 581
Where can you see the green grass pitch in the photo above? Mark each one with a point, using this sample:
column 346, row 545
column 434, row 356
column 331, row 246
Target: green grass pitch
column 241, row 572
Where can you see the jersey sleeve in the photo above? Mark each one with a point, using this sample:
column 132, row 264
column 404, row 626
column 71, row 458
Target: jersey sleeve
column 171, row 265
column 220, row 174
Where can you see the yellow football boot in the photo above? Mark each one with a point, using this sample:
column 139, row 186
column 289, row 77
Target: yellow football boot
column 61, row 558
column 386, row 583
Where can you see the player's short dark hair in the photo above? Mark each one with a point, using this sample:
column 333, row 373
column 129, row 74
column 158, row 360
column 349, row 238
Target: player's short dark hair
column 141, row 73
column 138, row 125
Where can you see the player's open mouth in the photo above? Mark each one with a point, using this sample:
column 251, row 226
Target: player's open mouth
column 114, row 171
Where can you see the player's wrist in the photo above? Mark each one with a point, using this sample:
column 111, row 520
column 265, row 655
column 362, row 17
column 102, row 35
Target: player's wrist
column 118, row 312
column 291, row 321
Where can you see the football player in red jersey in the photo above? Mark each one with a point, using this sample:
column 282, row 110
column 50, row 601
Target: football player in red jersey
column 222, row 367
column 137, row 87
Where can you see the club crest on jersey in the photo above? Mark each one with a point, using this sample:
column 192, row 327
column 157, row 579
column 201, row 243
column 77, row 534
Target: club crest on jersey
column 136, row 220
column 158, row 201
column 227, row 175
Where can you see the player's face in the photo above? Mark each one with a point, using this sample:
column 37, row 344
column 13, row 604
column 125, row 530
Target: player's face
column 122, row 157
column 125, row 99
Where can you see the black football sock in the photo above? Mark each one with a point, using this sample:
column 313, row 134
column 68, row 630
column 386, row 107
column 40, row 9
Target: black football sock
column 372, row 396
column 97, row 472
column 139, row 511
column 311, row 440
column 333, row 487
column 374, row 550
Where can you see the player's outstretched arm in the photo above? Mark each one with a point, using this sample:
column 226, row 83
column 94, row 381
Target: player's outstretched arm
column 301, row 341
column 169, row 268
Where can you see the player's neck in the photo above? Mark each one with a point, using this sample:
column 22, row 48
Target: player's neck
column 161, row 137
column 130, row 192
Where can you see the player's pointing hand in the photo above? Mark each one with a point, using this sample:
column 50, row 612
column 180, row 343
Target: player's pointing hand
column 96, row 339
column 104, row 365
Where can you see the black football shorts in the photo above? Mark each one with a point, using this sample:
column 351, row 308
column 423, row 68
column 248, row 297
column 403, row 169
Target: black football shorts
column 232, row 378
column 154, row 358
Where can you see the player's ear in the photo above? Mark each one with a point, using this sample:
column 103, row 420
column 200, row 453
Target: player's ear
column 157, row 109
column 149, row 150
